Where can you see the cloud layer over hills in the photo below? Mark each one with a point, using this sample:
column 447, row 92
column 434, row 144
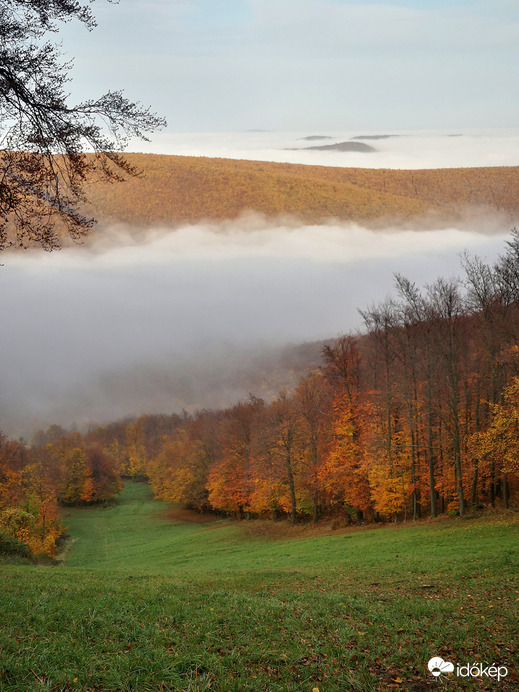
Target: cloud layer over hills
column 408, row 149
column 176, row 318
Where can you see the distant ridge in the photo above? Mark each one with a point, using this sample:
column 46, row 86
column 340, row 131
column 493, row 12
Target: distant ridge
column 313, row 138
column 376, row 136
column 180, row 189
column 342, row 146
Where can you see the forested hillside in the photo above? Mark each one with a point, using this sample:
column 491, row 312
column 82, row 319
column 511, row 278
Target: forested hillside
column 178, row 189
column 416, row 417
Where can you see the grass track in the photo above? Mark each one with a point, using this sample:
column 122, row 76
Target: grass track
column 146, row 604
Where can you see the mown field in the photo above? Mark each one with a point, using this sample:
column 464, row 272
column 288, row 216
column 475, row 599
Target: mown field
column 144, row 602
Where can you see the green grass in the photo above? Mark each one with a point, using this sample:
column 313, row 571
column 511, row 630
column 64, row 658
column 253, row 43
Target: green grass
column 143, row 603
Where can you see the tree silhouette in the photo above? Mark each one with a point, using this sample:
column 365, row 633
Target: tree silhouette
column 49, row 147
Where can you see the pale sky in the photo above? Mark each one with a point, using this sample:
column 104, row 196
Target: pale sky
column 291, row 65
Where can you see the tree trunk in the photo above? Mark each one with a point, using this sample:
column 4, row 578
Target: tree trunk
column 493, row 484
column 315, row 516
column 474, row 495
column 292, row 488
column 505, row 492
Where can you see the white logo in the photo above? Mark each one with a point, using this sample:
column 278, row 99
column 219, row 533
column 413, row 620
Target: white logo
column 437, row 666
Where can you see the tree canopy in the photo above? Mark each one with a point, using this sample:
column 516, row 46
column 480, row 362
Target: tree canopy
column 50, row 147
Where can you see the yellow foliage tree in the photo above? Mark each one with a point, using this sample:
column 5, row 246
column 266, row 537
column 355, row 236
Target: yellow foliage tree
column 500, row 443
column 179, row 473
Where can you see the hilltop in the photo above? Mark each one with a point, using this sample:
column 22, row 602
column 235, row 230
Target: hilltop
column 183, row 189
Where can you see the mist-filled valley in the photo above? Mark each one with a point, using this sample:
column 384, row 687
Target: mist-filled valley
column 198, row 315
column 203, row 275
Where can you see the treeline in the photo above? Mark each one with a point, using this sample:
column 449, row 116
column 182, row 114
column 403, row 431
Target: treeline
column 417, row 417
column 59, row 469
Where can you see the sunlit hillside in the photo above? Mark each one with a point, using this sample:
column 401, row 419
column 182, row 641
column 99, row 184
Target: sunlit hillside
column 177, row 189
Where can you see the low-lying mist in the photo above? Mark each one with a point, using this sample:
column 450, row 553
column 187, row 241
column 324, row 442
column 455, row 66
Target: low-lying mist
column 409, row 149
column 196, row 316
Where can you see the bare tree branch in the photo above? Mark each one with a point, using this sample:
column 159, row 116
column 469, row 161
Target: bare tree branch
column 48, row 147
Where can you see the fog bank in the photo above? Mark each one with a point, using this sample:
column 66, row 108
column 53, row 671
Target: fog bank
column 179, row 317
column 407, row 149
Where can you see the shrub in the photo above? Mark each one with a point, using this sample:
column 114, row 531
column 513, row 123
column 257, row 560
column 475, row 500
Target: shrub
column 12, row 546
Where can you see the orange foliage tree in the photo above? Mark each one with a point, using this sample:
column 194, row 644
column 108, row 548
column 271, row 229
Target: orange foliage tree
column 230, row 483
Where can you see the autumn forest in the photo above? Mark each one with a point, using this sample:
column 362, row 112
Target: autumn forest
column 417, row 416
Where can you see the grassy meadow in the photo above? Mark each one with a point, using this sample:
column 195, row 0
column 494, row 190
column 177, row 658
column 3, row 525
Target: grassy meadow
column 144, row 600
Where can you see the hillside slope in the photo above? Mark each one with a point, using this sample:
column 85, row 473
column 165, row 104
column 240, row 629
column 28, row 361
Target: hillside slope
column 179, row 189
column 146, row 603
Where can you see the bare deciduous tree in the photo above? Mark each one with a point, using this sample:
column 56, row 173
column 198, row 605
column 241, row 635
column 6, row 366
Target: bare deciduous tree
column 48, row 146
